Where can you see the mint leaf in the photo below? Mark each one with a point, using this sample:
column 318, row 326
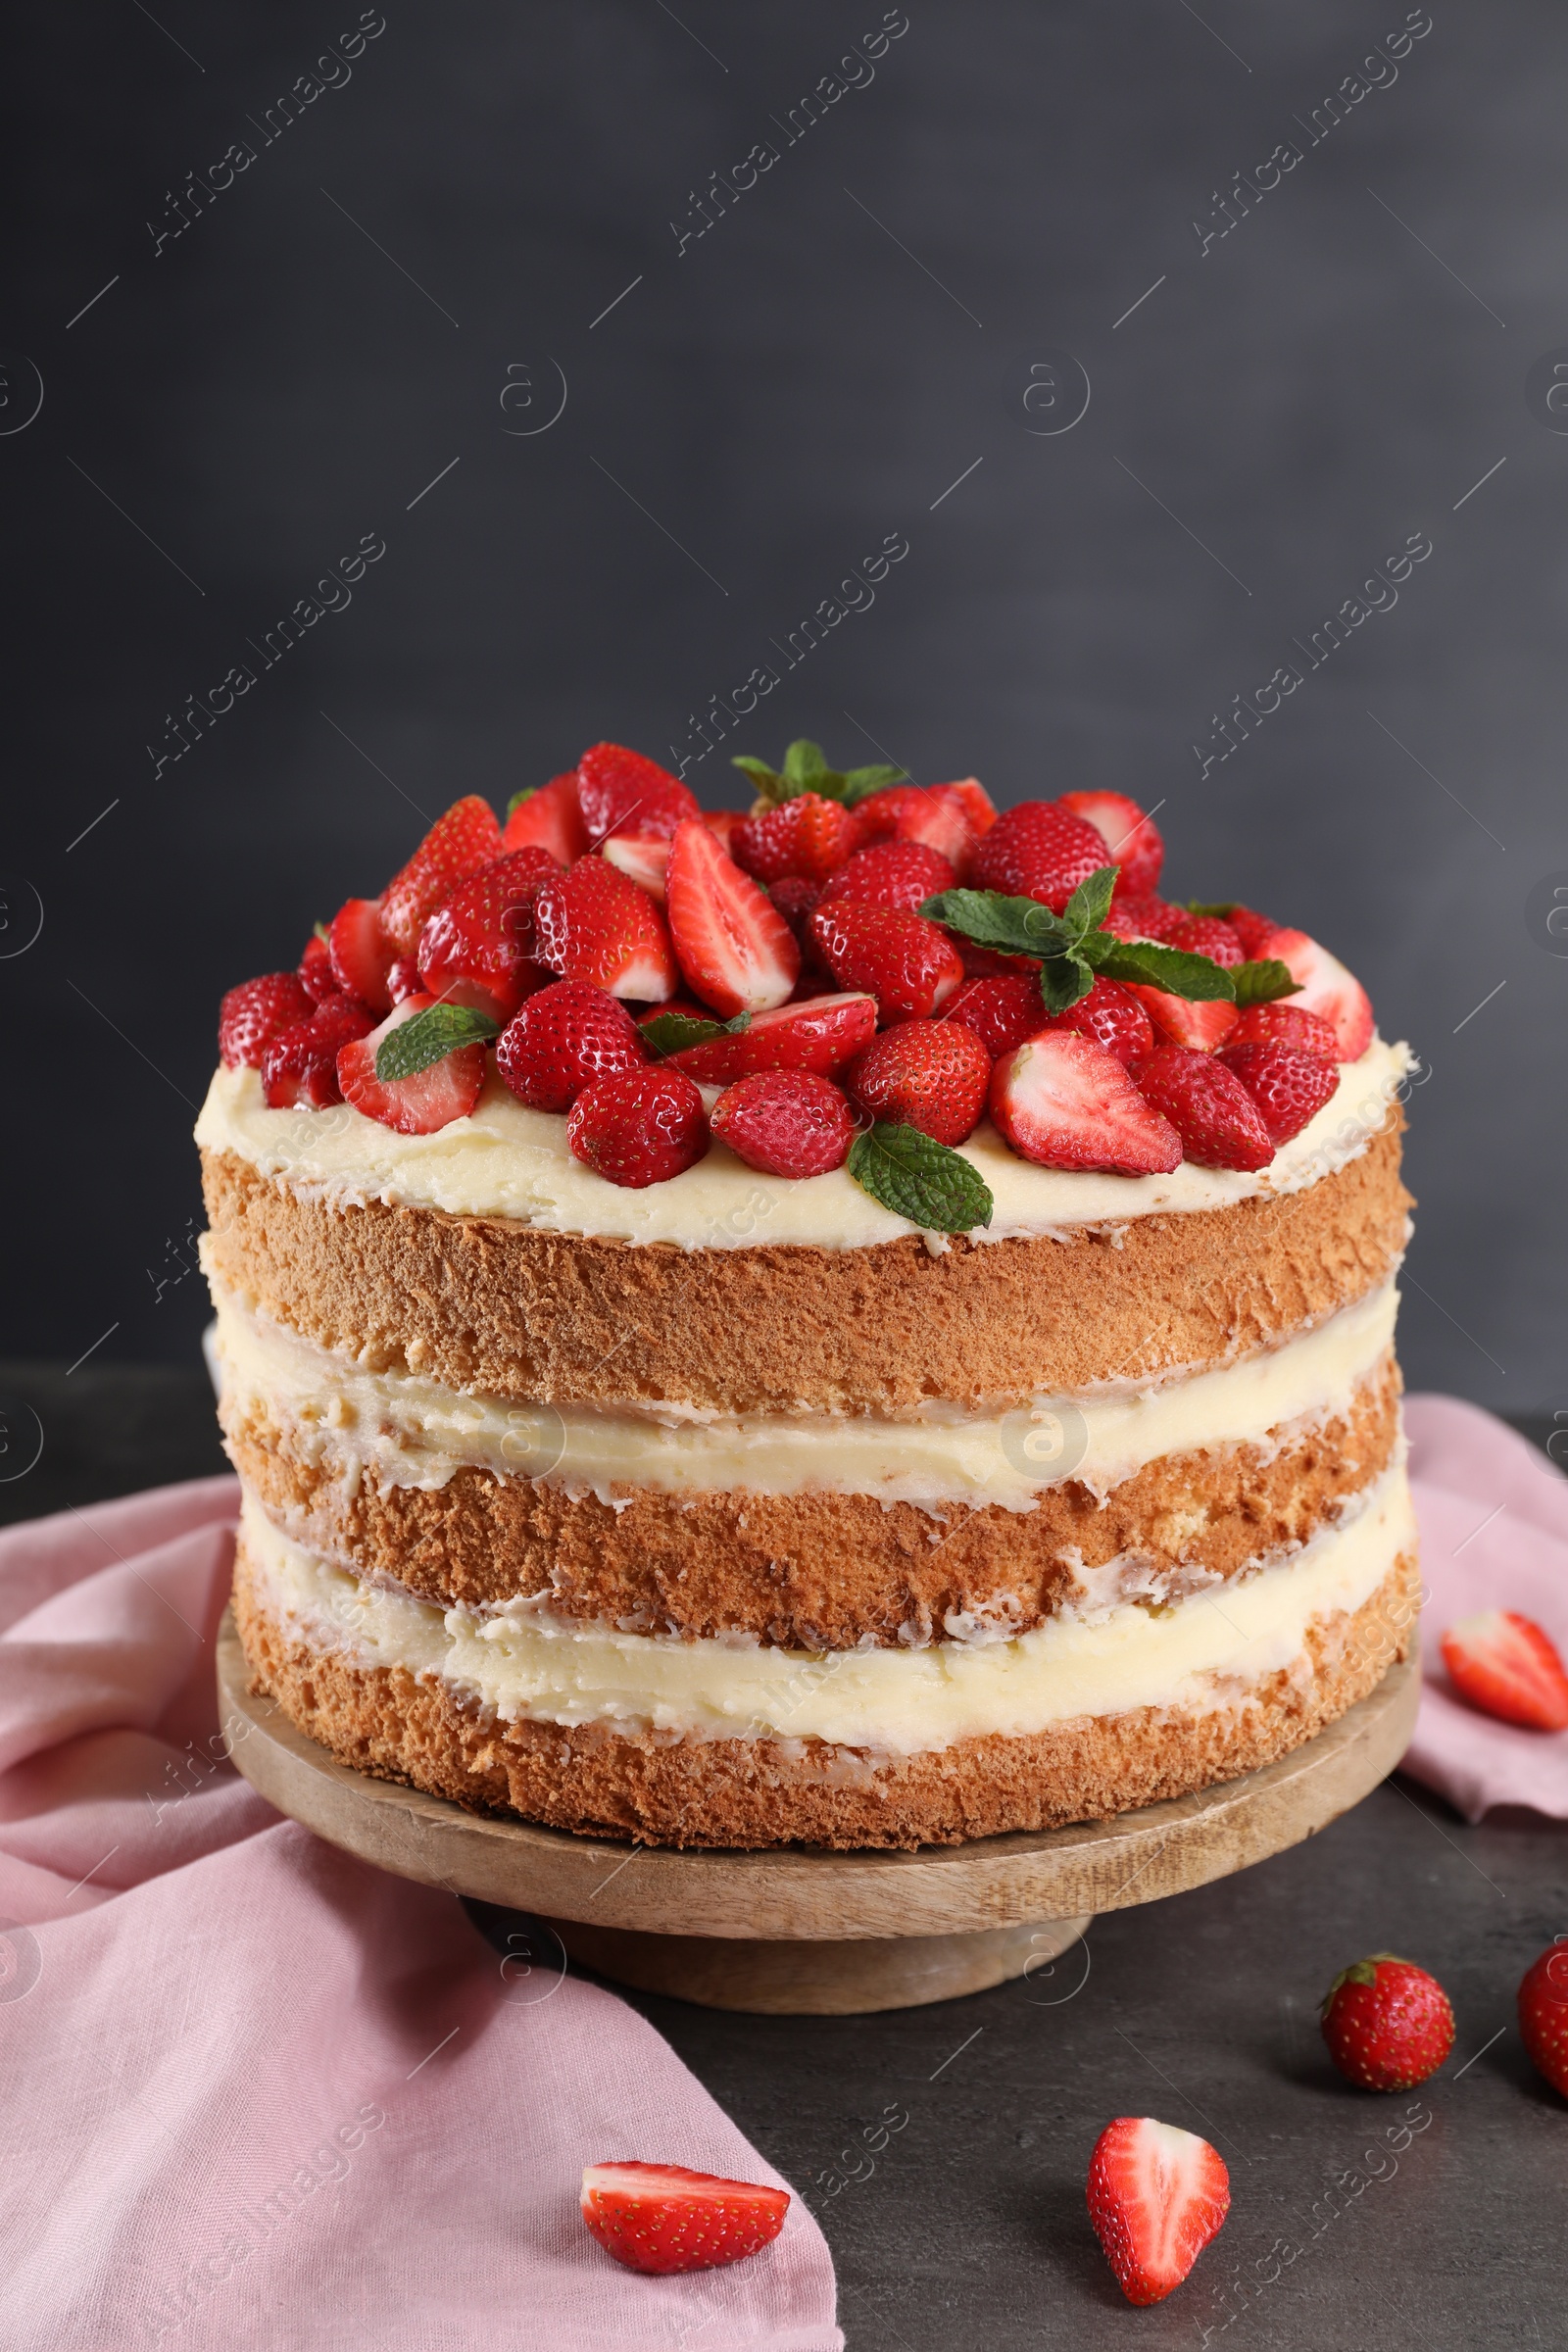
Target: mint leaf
column 1090, row 903
column 1012, row 926
column 1223, row 909
column 1262, row 982
column 674, row 1032
column 430, row 1037
column 1196, row 977
column 1063, row 981
column 517, row 798
column 919, row 1179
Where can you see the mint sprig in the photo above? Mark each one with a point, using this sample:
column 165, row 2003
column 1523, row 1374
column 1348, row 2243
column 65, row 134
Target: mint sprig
column 919, row 1179
column 806, row 770
column 430, row 1037
column 1263, row 982
column 674, row 1032
column 1073, row 946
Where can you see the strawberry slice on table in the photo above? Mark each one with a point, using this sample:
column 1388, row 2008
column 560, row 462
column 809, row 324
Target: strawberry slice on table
column 1544, row 2015
column 785, row 1122
column 1327, row 989
column 1210, row 1110
column 1113, row 1017
column 621, row 792
column 253, row 1014
column 642, row 857
column 563, row 1040
column 316, row 976
column 1064, row 1102
column 1002, row 1011
column 1132, row 840
column 1039, row 850
column 662, row 2218
column 1156, row 2196
column 1505, row 1665
column 299, row 1069
column 592, row 923
column 1288, row 1087
column 444, row 1090
column 909, row 965
column 735, row 949
column 457, row 845
column 809, row 836
column 816, row 1033
column 933, row 1075
column 638, row 1128
column 1202, row 1026
column 1285, row 1024
column 549, row 818
column 891, row 873
column 1387, row 2023
column 476, row 949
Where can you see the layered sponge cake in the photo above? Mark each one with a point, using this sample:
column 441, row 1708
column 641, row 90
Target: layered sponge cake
column 793, row 1345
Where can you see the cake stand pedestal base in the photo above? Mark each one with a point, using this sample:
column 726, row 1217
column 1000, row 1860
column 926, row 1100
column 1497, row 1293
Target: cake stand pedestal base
column 802, row 1931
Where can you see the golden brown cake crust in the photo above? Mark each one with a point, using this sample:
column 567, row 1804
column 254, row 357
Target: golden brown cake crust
column 815, row 1571
column 485, row 1304
column 741, row 1793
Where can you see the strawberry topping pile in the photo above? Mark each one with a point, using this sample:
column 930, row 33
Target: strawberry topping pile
column 853, row 972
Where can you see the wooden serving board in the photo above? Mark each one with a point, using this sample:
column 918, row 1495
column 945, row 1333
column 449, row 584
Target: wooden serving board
column 801, row 1930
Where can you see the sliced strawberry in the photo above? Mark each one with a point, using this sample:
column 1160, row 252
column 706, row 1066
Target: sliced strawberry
column 621, row 792
column 662, row 2218
column 316, row 976
column 563, row 1040
column 1210, row 1110
column 1132, row 840
column 1113, row 1017
column 725, row 824
column 638, row 1128
column 457, row 845
column 933, row 1075
column 891, row 873
column 1327, row 989
column 1285, row 1024
column 476, row 949
column 736, row 950
column 785, row 1122
column 299, row 1069
column 642, row 857
column 935, row 814
column 254, row 1013
column 1290, row 1089
column 1156, row 2196
column 1064, row 1102
column 1039, row 850
column 687, row 1007
column 591, row 923
column 1144, row 919
column 1199, row 1026
column 979, row 815
column 809, row 836
column 909, row 965
column 1505, row 1665
column 820, row 1034
column 361, row 954
column 1208, row 935
column 431, row 1098
column 1002, row 1011
column 550, row 818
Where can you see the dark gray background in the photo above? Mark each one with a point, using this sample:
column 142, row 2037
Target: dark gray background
column 800, row 381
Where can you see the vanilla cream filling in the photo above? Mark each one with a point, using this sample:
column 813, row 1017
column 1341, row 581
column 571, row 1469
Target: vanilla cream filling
column 507, row 1161
column 409, row 1431
column 1202, row 1653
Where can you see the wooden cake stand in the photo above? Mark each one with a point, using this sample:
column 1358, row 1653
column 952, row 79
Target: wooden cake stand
column 801, row 1930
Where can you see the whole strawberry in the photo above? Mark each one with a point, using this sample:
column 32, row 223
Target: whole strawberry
column 1387, row 2023
column 892, row 873
column 785, row 1123
column 457, row 845
column 928, row 1074
column 475, row 949
column 620, row 791
column 640, row 1128
column 1132, row 840
column 299, row 1069
column 1544, row 2015
column 909, row 965
column 1288, row 1087
column 1002, row 1012
column 1144, row 919
column 1208, row 935
column 1115, row 1019
column 254, row 1013
column 1281, row 1024
column 563, row 1039
column 1039, row 850
column 1210, row 1110
column 805, row 838
column 316, row 976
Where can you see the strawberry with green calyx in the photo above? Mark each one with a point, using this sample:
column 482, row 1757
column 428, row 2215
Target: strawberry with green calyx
column 808, row 836
column 806, row 770
column 931, row 1184
column 1387, row 2023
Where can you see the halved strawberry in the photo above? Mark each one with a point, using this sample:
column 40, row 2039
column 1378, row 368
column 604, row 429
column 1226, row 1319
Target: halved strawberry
column 809, row 836
column 935, row 814
column 1156, row 2196
column 623, row 792
column 816, row 1033
column 638, row 1128
column 1208, row 935
column 642, row 857
column 591, row 923
column 1132, row 840
column 909, row 965
column 1200, row 1026
column 299, row 1068
column 1039, row 850
column 1327, row 989
column 1505, row 1665
column 476, row 949
column 361, row 954
column 1290, row 1089
column 316, row 976
column 431, row 1098
column 785, row 1123
column 933, row 1075
column 1064, row 1102
column 549, row 820
column 1113, row 1017
column 1002, row 1011
column 457, row 845
column 258, row 1010
column 736, row 950
column 563, row 1040
column 979, row 815
column 1210, row 1110
column 662, row 2218
column 891, row 873
column 725, row 824
column 1285, row 1024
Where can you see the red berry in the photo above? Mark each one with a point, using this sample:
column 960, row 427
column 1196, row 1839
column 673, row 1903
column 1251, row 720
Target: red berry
column 1210, row 1110
column 1201, row 1024
column 1505, row 1665
column 891, row 873
column 909, row 965
column 300, row 1065
column 457, row 845
column 1144, row 919
column 735, row 949
column 563, row 1040
column 1156, row 2196
column 808, row 837
column 1115, row 1019
column 662, row 2218
column 591, row 924
column 795, row 898
column 316, row 976
column 361, row 954
column 1327, row 989
column 928, row 1074
column 1065, row 1102
column 253, row 1014
column 1002, row 1012
column 1544, row 2015
column 1285, row 1024
column 638, row 1128
column 477, row 949
column 1039, row 851
column 402, row 979
column 785, row 1122
column 642, row 857
column 621, row 792
column 549, row 820
column 1288, row 1087
column 724, row 824
column 813, row 1033
column 941, row 816
column 1387, row 2023
column 1132, row 840
column 444, row 1090
column 1207, row 934
column 1252, row 930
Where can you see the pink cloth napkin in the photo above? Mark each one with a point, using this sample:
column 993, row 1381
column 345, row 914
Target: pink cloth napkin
column 1494, row 1516
column 259, row 2095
